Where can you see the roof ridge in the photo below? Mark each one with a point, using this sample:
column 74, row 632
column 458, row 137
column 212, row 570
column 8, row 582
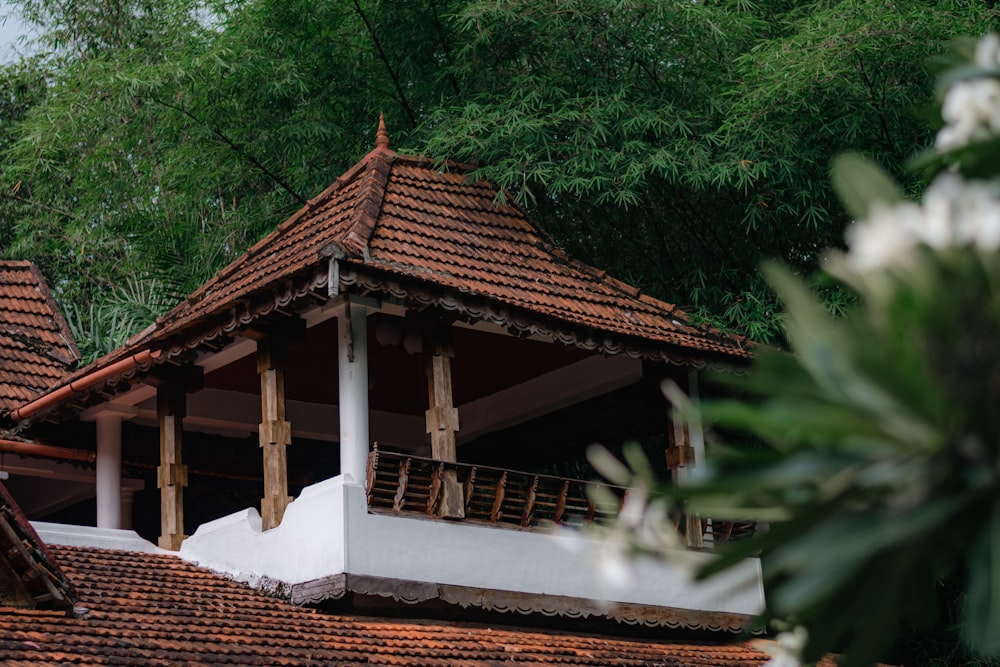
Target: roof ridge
column 369, row 201
column 252, row 251
column 57, row 318
column 19, row 263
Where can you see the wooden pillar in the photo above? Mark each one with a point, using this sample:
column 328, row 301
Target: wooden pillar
column 442, row 415
column 171, row 476
column 275, row 431
column 681, row 459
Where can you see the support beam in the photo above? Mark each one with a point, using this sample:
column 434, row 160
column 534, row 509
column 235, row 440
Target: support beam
column 275, row 431
column 352, row 357
column 685, row 453
column 171, row 476
column 442, row 416
column 541, row 395
column 109, row 470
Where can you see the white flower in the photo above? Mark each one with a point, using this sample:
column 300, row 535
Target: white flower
column 988, row 51
column 971, row 110
column 954, row 214
column 882, row 238
column 786, row 649
column 614, row 565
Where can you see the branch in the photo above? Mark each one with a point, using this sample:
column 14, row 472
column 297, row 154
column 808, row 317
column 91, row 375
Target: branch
column 385, row 60
column 447, row 50
column 44, row 207
column 229, row 142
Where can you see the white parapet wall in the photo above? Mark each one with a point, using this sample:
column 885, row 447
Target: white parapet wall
column 328, row 531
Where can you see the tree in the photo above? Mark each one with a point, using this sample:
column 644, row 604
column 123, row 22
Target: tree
column 672, row 143
column 882, row 457
column 679, row 144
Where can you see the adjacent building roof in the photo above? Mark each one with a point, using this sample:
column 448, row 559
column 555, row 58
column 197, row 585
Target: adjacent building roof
column 36, row 346
column 29, row 575
column 151, row 609
column 426, row 234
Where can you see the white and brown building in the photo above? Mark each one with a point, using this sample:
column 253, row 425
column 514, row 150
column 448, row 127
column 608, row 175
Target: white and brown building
column 380, row 404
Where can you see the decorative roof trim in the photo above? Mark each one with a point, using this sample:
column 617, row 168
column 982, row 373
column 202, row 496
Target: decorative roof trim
column 415, row 592
column 365, row 281
column 526, row 323
column 365, row 215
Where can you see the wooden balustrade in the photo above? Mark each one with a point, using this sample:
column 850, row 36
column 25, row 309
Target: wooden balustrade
column 412, row 485
column 404, row 484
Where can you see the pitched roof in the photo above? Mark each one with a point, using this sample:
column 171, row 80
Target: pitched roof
column 36, row 346
column 398, row 224
column 29, row 575
column 401, row 227
column 152, row 609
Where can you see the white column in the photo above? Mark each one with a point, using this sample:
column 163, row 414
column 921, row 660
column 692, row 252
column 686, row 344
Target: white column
column 696, row 434
column 109, row 470
column 352, row 349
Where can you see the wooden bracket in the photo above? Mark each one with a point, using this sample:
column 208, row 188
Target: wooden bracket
column 171, row 474
column 188, row 378
column 680, row 457
column 277, row 327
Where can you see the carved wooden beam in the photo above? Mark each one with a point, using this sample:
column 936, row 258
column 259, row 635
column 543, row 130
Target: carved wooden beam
column 529, row 503
column 171, row 475
column 404, row 476
column 561, row 503
column 370, row 471
column 275, row 430
column 501, row 490
column 442, row 415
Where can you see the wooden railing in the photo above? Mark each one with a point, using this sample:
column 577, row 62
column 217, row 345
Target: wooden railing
column 401, row 483
column 413, row 485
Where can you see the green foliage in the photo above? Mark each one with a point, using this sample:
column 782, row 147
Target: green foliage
column 883, row 445
column 103, row 326
column 672, row 143
column 879, row 455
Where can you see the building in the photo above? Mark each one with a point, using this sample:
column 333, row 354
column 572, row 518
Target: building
column 417, row 364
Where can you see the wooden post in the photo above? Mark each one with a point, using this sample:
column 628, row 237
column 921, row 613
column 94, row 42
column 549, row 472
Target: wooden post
column 681, row 459
column 442, row 415
column 275, row 431
column 171, row 476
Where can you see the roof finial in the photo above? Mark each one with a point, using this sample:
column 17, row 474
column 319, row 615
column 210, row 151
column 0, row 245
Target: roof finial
column 382, row 136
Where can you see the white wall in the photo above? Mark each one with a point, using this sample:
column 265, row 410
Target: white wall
column 328, row 531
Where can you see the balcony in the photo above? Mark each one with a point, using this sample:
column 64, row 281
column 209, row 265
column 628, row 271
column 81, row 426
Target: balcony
column 413, row 486
column 385, row 536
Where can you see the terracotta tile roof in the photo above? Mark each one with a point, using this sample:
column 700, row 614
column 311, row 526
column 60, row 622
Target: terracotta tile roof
column 150, row 609
column 402, row 227
column 398, row 217
column 29, row 575
column 36, row 346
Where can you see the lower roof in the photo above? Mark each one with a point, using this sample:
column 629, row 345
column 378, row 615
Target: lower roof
column 155, row 609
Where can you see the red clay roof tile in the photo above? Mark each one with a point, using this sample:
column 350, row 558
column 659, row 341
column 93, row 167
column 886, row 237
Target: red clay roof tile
column 36, row 346
column 149, row 609
column 408, row 227
column 402, row 216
